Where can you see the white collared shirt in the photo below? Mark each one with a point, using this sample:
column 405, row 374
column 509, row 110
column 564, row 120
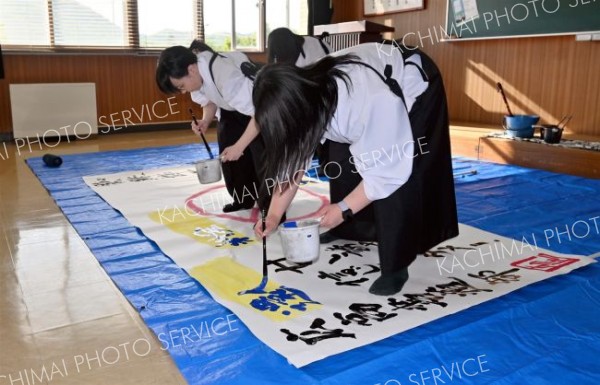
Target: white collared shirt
column 231, row 89
column 313, row 51
column 375, row 122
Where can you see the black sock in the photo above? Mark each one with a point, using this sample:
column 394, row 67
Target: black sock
column 389, row 284
column 235, row 206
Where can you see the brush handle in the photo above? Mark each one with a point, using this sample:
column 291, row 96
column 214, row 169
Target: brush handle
column 202, row 136
column 264, row 244
column 501, row 90
column 565, row 123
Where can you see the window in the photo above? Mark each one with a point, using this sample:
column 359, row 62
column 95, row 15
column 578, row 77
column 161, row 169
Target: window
column 88, row 23
column 233, row 24
column 247, row 18
column 163, row 25
column 24, row 22
column 218, row 24
column 292, row 14
column 146, row 24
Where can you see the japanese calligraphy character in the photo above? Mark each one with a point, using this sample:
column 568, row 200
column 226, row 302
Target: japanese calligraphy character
column 435, row 294
column 318, row 333
column 102, row 182
column 362, row 313
column 494, row 278
column 348, row 272
column 283, row 265
column 141, row 178
column 457, row 287
column 443, row 251
column 347, row 249
column 417, row 301
column 219, row 235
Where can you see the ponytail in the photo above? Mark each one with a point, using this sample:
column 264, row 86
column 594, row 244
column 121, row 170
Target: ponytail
column 284, row 46
column 198, row 46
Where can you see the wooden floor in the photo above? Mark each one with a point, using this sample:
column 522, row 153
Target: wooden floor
column 59, row 311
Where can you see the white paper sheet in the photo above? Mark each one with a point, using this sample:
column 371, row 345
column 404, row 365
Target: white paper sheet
column 309, row 312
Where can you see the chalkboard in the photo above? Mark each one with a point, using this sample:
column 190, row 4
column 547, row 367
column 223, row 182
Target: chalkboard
column 487, row 19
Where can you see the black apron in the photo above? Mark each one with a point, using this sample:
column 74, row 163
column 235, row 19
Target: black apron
column 240, row 176
column 244, row 178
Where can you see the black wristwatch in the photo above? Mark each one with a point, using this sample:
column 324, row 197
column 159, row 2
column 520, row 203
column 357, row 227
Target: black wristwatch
column 347, row 213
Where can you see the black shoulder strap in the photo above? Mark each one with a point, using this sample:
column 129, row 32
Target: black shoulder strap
column 323, row 45
column 248, row 68
column 410, row 50
column 210, row 65
column 387, row 79
column 421, row 71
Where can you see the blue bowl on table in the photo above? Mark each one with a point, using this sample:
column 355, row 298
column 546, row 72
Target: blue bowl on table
column 520, row 126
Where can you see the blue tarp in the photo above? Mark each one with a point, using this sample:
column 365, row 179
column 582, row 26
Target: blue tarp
column 546, row 333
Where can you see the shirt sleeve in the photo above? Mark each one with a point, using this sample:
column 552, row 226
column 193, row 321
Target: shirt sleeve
column 199, row 98
column 383, row 153
column 313, row 51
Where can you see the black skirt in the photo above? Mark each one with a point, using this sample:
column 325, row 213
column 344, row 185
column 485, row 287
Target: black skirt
column 422, row 212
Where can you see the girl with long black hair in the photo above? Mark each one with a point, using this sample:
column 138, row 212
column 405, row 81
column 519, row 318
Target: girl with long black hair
column 385, row 113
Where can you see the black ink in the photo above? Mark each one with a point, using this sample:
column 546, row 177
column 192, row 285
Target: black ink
column 348, row 249
column 283, row 265
column 349, row 272
column 141, row 178
column 434, row 295
column 417, row 301
column 494, row 278
column 311, row 337
column 444, row 251
column 362, row 313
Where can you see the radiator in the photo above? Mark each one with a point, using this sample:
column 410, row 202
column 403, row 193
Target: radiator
column 343, row 40
column 53, row 109
column 351, row 33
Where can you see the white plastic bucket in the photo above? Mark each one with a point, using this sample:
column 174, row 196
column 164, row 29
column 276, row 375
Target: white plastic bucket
column 209, row 170
column 300, row 240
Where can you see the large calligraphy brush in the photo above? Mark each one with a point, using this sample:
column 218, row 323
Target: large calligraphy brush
column 501, row 90
column 260, row 289
column 202, row 135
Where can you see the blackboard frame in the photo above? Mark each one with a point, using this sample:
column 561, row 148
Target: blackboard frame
column 387, row 9
column 593, row 6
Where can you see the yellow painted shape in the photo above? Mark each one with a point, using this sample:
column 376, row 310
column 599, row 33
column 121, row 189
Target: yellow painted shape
column 226, row 278
column 199, row 228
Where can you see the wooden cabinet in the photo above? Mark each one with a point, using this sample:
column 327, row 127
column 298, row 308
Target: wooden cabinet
column 474, row 142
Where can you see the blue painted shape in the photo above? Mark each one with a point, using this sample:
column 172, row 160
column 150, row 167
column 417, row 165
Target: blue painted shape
column 260, row 289
column 536, row 335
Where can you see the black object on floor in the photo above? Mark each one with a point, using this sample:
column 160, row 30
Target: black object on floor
column 52, row 160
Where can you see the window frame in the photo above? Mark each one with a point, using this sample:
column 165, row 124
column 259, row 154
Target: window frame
column 131, row 27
